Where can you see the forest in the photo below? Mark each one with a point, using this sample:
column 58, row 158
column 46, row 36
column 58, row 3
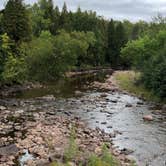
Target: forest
column 80, row 89
column 41, row 42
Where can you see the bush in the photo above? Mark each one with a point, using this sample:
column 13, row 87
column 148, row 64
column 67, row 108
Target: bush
column 49, row 57
column 149, row 56
column 14, row 70
column 5, row 51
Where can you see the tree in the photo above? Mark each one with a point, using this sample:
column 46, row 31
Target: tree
column 120, row 41
column 16, row 21
column 111, row 43
column 64, row 18
column 56, row 20
column 5, row 51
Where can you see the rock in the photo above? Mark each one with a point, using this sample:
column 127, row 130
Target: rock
column 9, row 150
column 103, row 95
column 2, row 108
column 71, row 164
column 109, row 127
column 140, row 103
column 148, row 118
column 128, row 105
column 78, row 93
column 104, row 123
column 126, row 151
column 48, row 97
column 114, row 101
column 98, row 150
column 17, row 127
column 164, row 107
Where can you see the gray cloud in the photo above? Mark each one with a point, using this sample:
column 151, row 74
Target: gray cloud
column 133, row 10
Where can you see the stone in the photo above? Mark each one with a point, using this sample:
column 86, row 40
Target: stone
column 128, row 105
column 140, row 103
column 148, row 118
column 164, row 107
column 104, row 123
column 109, row 127
column 78, row 93
column 126, row 151
column 98, row 150
column 2, row 108
column 9, row 150
column 48, row 97
column 103, row 95
column 114, row 101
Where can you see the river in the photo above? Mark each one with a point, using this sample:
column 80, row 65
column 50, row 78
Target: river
column 114, row 112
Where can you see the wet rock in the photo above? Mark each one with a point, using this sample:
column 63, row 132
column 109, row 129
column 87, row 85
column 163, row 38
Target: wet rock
column 128, row 105
column 126, row 151
column 114, row 101
column 103, row 95
column 67, row 113
column 103, row 123
column 140, row 103
column 9, row 150
column 148, row 118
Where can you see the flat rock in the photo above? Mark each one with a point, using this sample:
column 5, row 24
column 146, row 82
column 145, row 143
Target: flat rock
column 2, row 108
column 148, row 118
column 9, row 150
column 128, row 105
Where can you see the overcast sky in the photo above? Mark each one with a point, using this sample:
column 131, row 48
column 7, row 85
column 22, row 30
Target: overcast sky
column 133, row 10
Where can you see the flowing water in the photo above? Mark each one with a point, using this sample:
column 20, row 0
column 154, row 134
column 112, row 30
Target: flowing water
column 114, row 112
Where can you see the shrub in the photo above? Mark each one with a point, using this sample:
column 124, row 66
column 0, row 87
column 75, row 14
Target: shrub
column 14, row 70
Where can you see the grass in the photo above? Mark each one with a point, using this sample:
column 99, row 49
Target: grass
column 130, row 81
column 72, row 152
column 106, row 159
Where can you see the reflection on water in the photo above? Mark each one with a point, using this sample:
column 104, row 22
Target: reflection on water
column 64, row 87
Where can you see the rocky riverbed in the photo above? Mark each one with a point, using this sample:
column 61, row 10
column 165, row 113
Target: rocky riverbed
column 46, row 134
column 38, row 123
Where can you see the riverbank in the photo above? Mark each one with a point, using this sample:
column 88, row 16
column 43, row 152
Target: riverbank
column 35, row 132
column 128, row 81
column 85, row 115
column 47, row 138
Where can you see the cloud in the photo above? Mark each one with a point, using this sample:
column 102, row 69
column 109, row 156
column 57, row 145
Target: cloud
column 133, row 10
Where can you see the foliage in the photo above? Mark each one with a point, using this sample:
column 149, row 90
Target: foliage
column 106, row 159
column 116, row 40
column 72, row 149
column 130, row 81
column 14, row 70
column 49, row 57
column 5, row 51
column 16, row 21
column 149, row 56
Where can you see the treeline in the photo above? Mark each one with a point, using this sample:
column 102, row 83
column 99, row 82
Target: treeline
column 148, row 55
column 41, row 42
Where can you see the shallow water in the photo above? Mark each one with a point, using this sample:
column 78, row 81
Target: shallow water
column 147, row 140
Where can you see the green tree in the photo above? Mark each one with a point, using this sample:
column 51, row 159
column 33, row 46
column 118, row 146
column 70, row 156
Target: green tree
column 111, row 54
column 120, row 41
column 64, row 18
column 5, row 51
column 16, row 21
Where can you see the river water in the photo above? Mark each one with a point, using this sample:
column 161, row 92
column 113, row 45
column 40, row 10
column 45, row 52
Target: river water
column 114, row 112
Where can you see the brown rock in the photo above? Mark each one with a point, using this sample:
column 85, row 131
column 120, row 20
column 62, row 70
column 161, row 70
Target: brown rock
column 148, row 118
